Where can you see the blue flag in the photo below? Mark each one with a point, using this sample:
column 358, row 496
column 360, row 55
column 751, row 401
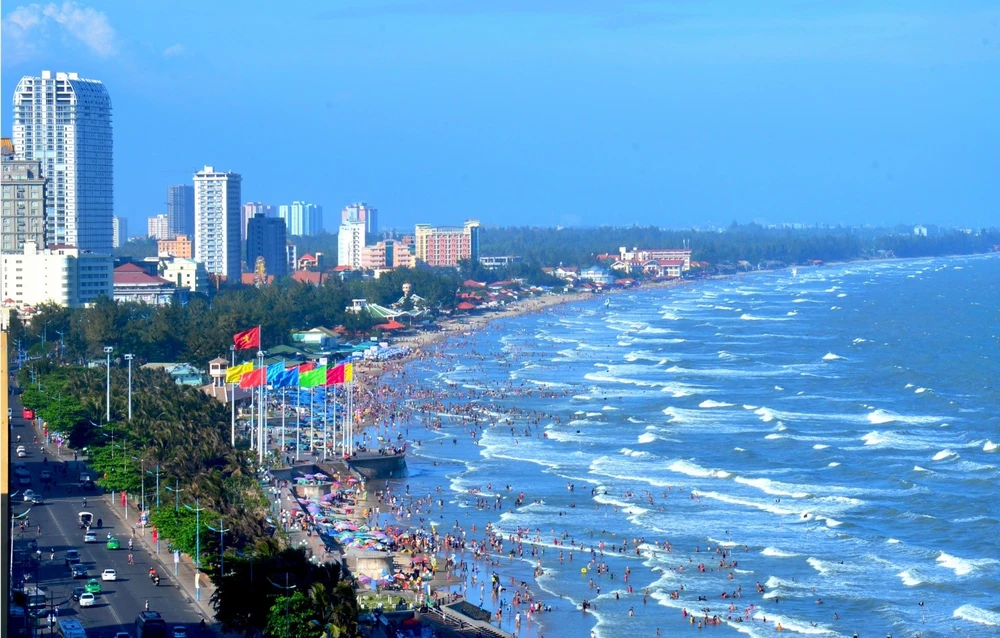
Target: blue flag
column 274, row 372
column 288, row 379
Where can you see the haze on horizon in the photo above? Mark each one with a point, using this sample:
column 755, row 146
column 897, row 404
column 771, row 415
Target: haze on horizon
column 545, row 112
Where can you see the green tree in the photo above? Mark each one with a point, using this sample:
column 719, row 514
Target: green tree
column 293, row 616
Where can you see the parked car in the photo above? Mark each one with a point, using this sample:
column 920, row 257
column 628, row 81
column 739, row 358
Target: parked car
column 87, row 599
column 90, row 537
column 20, row 470
column 24, row 481
column 79, row 570
column 109, row 574
column 72, row 557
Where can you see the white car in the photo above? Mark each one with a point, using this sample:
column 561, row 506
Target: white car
column 109, row 574
column 21, row 452
column 87, row 599
column 90, row 537
column 28, row 495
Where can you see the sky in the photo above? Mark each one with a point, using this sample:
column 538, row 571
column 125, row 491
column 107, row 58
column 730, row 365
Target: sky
column 544, row 112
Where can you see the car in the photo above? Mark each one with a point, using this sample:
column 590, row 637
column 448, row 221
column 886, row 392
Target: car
column 84, row 478
column 72, row 557
column 90, row 537
column 109, row 574
column 46, row 475
column 36, row 498
column 28, row 495
column 21, row 452
column 114, row 543
column 24, row 480
column 20, row 470
column 77, row 592
column 79, row 570
column 179, row 631
column 93, row 586
column 87, row 599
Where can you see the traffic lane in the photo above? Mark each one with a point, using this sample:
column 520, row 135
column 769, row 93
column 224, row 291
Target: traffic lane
column 121, row 600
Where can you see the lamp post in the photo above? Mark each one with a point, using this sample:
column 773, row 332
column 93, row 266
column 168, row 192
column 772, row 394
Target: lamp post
column 157, row 485
column 108, row 350
column 222, row 550
column 197, row 545
column 142, row 477
column 287, row 588
column 177, row 494
column 261, row 422
column 129, row 358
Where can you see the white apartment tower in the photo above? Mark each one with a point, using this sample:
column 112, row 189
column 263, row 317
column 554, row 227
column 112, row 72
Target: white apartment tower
column 64, row 122
column 350, row 241
column 217, row 222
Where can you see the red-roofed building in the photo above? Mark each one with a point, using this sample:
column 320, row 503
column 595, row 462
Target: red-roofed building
column 669, row 268
column 472, row 283
column 308, row 262
column 309, row 277
column 133, row 283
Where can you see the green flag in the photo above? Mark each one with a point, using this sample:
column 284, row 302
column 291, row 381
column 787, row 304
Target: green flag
column 313, row 378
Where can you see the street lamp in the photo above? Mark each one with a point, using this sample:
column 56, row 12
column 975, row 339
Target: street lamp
column 177, row 493
column 222, row 550
column 129, row 358
column 287, row 588
column 197, row 545
column 108, row 350
column 232, row 402
column 157, row 485
column 142, row 477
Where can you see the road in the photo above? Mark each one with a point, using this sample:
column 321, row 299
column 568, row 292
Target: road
column 121, row 600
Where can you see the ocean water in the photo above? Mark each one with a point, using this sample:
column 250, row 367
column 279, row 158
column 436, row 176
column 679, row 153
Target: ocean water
column 837, row 431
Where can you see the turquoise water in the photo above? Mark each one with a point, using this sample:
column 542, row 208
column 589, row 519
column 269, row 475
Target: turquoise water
column 835, row 431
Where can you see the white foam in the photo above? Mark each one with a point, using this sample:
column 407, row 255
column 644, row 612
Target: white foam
column 774, row 436
column 963, row 566
column 943, row 454
column 833, row 464
column 765, row 414
column 708, row 403
column 977, row 615
column 990, row 446
column 829, row 356
column 632, row 419
column 608, row 408
column 910, row 577
column 777, row 553
column 920, row 391
column 917, row 468
column 647, row 437
column 820, row 446
column 692, row 469
column 771, row 487
column 892, row 541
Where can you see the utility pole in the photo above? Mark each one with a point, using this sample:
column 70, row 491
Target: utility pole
column 197, row 544
column 222, row 551
column 107, row 419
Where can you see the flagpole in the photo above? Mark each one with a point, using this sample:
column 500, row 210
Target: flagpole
column 261, row 431
column 326, row 413
column 298, row 417
column 350, row 415
column 335, row 423
column 232, row 401
column 310, row 419
column 282, row 418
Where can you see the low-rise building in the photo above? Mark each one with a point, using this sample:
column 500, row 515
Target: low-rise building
column 180, row 246
column 664, row 267
column 499, row 261
column 636, row 259
column 181, row 373
column 60, row 274
column 184, row 273
column 133, row 283
column 597, row 275
column 319, row 336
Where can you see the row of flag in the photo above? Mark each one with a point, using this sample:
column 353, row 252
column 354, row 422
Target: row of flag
column 277, row 375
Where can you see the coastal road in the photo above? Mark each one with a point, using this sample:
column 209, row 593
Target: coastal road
column 121, row 600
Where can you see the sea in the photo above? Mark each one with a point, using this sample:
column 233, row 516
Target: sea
column 835, row 430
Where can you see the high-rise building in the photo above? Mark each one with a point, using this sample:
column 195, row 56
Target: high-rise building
column 446, row 246
column 158, row 227
column 387, row 253
column 180, row 210
column 64, row 122
column 266, row 238
column 350, row 242
column 64, row 275
column 302, row 218
column 361, row 212
column 217, row 222
column 119, row 234
column 252, row 208
column 23, row 216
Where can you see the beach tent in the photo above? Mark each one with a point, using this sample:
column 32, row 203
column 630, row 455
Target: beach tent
column 390, row 325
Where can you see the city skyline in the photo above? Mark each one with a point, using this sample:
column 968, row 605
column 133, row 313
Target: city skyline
column 649, row 113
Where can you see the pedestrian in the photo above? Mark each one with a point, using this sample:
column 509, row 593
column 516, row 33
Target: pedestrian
column 147, row 605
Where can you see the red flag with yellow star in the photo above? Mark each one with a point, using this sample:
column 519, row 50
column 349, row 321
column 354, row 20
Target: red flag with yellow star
column 247, row 339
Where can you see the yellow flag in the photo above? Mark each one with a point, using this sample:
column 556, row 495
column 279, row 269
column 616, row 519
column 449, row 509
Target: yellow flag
column 234, row 373
column 348, row 372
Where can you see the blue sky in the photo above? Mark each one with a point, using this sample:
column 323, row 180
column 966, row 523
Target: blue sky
column 545, row 112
